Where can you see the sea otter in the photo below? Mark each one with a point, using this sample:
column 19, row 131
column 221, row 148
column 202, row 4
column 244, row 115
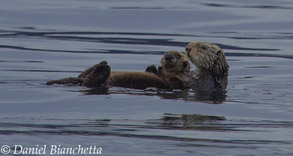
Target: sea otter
column 174, row 73
column 173, row 63
column 212, row 68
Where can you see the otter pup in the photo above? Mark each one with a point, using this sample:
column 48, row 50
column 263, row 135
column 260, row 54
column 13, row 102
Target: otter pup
column 173, row 64
column 174, row 72
column 212, row 68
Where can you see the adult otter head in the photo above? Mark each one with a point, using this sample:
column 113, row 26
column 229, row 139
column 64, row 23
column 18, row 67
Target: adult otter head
column 175, row 62
column 207, row 57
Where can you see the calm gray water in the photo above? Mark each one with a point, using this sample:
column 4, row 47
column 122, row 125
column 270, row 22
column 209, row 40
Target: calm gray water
column 52, row 39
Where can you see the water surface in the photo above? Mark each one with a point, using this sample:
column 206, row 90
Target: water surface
column 52, row 39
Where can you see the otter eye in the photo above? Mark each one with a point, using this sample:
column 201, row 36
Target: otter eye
column 178, row 56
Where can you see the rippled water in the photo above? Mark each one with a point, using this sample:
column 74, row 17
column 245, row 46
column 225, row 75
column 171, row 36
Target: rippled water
column 52, row 39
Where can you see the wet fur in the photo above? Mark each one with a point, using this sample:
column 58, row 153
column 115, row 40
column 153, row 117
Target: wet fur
column 174, row 72
column 167, row 78
column 137, row 80
column 175, row 62
column 212, row 67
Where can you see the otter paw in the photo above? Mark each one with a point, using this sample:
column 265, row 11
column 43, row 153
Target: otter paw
column 152, row 69
column 102, row 68
column 98, row 76
column 176, row 83
column 160, row 71
column 89, row 70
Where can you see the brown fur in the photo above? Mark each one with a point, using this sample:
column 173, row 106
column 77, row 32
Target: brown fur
column 212, row 67
column 176, row 63
column 207, row 56
column 173, row 64
column 139, row 80
column 174, row 73
column 97, row 76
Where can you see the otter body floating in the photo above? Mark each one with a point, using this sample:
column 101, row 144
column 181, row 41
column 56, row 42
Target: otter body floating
column 174, row 73
column 100, row 74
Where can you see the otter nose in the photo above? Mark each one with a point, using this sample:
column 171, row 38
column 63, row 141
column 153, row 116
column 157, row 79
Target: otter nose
column 188, row 49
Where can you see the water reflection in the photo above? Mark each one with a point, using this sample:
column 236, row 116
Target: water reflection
column 96, row 91
column 214, row 97
column 41, row 42
column 114, row 127
column 188, row 122
column 136, row 128
column 183, row 130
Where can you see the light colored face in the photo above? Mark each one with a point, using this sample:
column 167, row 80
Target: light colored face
column 202, row 54
column 175, row 62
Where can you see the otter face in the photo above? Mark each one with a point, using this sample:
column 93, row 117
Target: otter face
column 205, row 55
column 175, row 62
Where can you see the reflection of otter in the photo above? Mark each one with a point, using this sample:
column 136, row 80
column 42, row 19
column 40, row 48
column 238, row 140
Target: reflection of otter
column 196, row 122
column 99, row 74
column 212, row 67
